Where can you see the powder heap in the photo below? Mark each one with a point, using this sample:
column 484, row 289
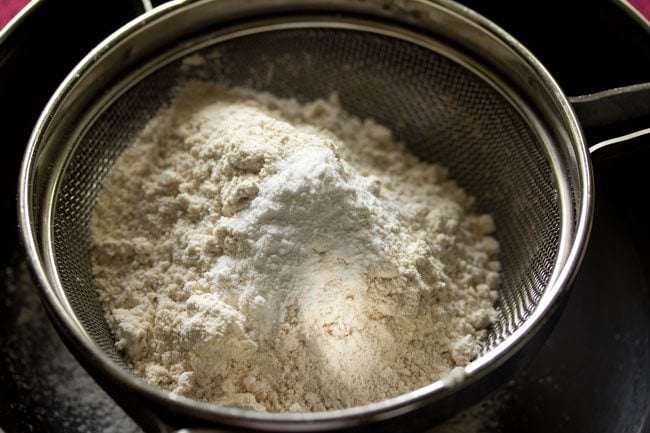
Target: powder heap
column 261, row 253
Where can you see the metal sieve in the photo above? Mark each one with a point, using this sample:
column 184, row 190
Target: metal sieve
column 450, row 84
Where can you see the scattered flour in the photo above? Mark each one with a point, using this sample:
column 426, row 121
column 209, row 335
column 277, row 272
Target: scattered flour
column 262, row 253
column 47, row 389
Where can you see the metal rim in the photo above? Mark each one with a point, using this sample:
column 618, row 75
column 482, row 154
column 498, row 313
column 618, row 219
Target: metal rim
column 342, row 417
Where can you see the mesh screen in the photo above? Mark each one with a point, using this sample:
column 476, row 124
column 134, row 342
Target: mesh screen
column 443, row 111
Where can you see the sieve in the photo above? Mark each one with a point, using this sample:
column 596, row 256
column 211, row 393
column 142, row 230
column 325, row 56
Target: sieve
column 450, row 84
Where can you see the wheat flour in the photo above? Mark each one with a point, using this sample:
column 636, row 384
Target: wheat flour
column 262, row 253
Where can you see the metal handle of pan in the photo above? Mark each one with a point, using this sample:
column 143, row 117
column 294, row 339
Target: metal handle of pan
column 625, row 109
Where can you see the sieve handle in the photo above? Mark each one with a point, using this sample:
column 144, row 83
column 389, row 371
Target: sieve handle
column 621, row 145
column 613, row 106
column 616, row 120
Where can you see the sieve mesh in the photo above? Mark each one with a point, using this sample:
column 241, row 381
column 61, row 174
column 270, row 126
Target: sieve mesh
column 443, row 111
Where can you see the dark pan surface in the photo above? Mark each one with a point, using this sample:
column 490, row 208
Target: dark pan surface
column 592, row 375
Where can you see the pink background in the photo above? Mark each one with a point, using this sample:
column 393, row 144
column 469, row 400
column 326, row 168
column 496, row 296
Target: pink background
column 642, row 6
column 9, row 8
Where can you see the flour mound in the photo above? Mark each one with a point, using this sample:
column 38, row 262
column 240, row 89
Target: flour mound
column 266, row 254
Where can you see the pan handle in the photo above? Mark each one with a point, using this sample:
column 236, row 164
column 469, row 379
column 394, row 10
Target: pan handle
column 615, row 119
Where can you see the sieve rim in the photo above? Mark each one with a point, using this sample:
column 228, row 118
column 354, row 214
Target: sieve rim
column 403, row 403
